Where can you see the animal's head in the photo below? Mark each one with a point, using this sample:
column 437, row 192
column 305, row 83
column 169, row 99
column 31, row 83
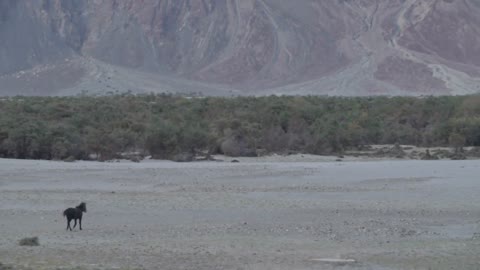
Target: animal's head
column 83, row 207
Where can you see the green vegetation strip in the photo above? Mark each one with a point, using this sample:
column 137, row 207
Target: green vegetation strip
column 167, row 127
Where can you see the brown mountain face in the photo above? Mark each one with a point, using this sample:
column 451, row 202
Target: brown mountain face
column 225, row 47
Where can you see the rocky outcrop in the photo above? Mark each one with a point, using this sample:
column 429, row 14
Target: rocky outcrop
column 344, row 47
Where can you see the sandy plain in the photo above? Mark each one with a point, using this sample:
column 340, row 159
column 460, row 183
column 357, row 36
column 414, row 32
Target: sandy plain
column 261, row 213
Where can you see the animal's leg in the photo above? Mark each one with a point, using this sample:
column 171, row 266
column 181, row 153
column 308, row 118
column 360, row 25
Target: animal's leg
column 80, row 223
column 75, row 223
column 68, row 224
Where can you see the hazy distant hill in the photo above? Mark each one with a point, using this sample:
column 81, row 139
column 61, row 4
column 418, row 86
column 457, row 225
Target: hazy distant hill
column 225, row 47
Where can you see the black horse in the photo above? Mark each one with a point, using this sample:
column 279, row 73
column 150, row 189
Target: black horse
column 75, row 213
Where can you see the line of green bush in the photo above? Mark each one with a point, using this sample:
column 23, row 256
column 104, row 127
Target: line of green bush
column 164, row 125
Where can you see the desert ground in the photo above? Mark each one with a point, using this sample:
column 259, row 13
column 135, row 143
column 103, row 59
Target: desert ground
column 263, row 213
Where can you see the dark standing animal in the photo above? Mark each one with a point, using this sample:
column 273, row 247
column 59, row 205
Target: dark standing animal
column 75, row 213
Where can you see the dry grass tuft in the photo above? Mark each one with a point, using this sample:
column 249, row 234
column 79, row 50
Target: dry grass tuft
column 29, row 241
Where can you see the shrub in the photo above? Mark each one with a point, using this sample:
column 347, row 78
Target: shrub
column 29, row 241
column 164, row 125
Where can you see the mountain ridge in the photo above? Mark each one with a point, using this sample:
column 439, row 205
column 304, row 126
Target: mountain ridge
column 240, row 47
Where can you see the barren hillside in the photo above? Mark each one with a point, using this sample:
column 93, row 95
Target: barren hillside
column 232, row 47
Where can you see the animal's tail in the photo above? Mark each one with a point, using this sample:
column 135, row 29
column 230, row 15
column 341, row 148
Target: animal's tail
column 65, row 213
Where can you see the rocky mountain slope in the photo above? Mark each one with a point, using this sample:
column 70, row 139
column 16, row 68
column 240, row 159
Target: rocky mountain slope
column 234, row 47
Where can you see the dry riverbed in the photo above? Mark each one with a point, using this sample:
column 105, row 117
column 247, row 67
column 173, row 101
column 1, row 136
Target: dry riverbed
column 270, row 213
